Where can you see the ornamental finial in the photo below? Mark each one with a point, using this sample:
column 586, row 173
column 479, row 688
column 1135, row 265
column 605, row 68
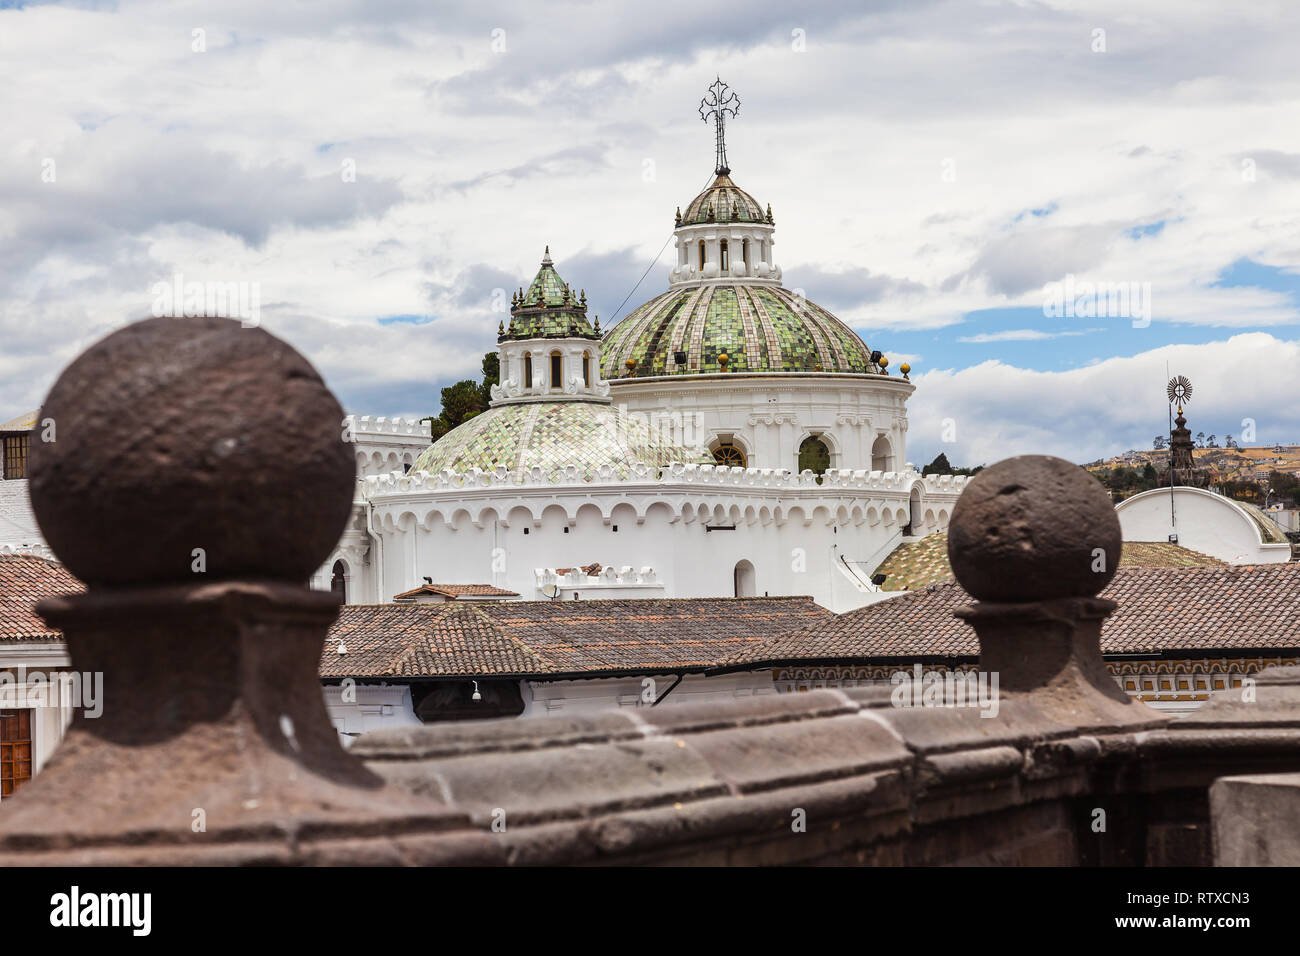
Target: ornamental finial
column 718, row 105
column 546, row 257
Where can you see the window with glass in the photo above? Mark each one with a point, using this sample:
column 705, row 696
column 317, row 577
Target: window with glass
column 15, row 455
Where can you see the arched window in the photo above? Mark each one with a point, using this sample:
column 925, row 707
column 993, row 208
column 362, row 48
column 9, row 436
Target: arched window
column 913, row 512
column 701, row 255
column 814, row 455
column 528, row 370
column 724, row 259
column 744, row 253
column 586, row 369
column 882, row 455
column 557, row 371
column 339, row 581
column 728, row 455
column 743, row 579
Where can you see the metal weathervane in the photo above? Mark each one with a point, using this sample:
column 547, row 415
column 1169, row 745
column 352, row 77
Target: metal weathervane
column 718, row 105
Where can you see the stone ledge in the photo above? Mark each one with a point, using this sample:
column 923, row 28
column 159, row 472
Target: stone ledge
column 1255, row 820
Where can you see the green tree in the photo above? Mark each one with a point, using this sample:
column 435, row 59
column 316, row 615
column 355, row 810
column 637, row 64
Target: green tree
column 491, row 374
column 1285, row 486
column 939, row 466
column 465, row 399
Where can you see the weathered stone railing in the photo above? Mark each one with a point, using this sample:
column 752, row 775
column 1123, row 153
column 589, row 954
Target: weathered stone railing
column 214, row 745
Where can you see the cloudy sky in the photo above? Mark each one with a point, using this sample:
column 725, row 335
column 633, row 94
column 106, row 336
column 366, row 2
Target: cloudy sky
column 380, row 170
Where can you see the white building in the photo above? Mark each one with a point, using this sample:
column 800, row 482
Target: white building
column 1233, row 531
column 727, row 438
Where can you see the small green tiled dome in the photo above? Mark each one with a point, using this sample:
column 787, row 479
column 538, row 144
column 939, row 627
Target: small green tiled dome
column 760, row 328
column 549, row 309
column 552, row 436
column 723, row 201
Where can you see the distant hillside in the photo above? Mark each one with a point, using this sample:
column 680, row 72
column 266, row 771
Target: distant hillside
column 1252, row 463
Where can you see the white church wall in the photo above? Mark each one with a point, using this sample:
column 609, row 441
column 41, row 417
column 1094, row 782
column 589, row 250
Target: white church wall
column 689, row 529
column 770, row 415
column 384, row 445
column 1203, row 521
column 35, row 669
column 359, row 707
column 19, row 532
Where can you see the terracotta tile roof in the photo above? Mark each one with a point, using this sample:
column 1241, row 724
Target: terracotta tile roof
column 24, row 580
column 591, row 570
column 1229, row 608
column 457, row 590
column 416, row 640
column 555, row 638
column 917, row 564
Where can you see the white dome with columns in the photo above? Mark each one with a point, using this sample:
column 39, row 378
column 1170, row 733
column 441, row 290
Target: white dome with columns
column 728, row 437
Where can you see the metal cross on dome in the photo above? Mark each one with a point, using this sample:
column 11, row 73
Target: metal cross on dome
column 1179, row 391
column 718, row 105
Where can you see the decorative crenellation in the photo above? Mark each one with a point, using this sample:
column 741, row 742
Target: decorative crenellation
column 626, row 576
column 676, row 473
column 359, row 425
column 39, row 550
column 689, row 495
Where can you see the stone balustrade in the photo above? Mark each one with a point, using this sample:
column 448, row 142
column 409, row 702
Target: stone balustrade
column 214, row 746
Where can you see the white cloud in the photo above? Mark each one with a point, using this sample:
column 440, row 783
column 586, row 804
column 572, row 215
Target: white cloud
column 226, row 164
column 1019, row 335
column 1106, row 407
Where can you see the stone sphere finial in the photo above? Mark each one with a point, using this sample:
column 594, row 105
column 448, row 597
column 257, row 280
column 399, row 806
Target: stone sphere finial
column 189, row 450
column 1033, row 528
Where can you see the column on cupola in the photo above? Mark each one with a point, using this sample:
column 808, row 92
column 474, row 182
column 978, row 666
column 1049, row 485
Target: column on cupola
column 512, row 367
column 787, row 445
column 862, row 437
column 712, row 256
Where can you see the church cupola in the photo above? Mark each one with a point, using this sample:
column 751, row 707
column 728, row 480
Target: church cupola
column 549, row 351
column 724, row 234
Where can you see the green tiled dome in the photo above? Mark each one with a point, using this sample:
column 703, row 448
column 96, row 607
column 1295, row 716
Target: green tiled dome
column 760, row 328
column 551, row 436
column 549, row 309
column 723, row 201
